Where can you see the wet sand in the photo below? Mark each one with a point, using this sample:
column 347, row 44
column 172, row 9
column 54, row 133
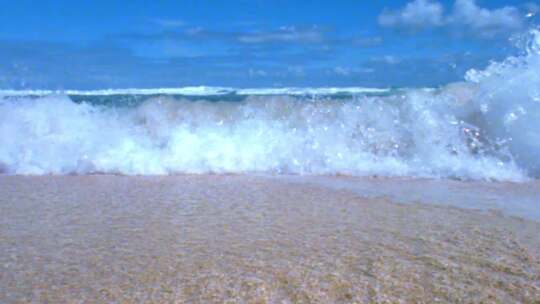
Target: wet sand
column 248, row 239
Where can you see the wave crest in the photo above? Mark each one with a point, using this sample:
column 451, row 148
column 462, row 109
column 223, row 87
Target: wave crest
column 485, row 128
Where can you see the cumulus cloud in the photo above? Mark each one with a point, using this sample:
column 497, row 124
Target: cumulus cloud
column 418, row 14
column 484, row 21
column 465, row 14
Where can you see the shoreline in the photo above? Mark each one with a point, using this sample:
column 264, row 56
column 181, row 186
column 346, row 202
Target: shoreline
column 218, row 238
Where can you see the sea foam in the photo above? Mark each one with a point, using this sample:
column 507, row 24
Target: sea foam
column 487, row 127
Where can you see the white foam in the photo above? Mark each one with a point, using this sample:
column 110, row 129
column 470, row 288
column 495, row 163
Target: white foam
column 485, row 128
column 411, row 134
column 311, row 91
column 508, row 94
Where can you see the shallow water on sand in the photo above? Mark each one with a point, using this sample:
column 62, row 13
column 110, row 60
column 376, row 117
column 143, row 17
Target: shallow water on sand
column 219, row 238
column 515, row 199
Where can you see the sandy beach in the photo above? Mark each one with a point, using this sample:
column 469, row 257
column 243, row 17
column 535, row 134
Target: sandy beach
column 248, row 239
column 270, row 152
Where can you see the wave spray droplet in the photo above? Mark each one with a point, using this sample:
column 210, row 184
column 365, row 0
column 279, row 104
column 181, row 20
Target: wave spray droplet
column 487, row 127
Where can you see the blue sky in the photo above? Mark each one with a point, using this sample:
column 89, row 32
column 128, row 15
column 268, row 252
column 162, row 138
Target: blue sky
column 110, row 44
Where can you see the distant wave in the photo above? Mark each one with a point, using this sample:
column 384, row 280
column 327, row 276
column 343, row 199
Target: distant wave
column 487, row 127
column 198, row 91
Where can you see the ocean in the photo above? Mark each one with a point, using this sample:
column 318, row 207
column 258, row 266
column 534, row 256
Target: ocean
column 484, row 128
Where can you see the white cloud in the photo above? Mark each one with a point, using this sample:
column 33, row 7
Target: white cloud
column 284, row 34
column 465, row 14
column 342, row 71
column 368, row 41
column 418, row 13
column 257, row 73
column 484, row 21
column 171, row 23
column 193, row 31
column 387, row 59
column 390, row 59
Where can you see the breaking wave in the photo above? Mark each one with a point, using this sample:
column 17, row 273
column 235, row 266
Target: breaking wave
column 487, row 127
